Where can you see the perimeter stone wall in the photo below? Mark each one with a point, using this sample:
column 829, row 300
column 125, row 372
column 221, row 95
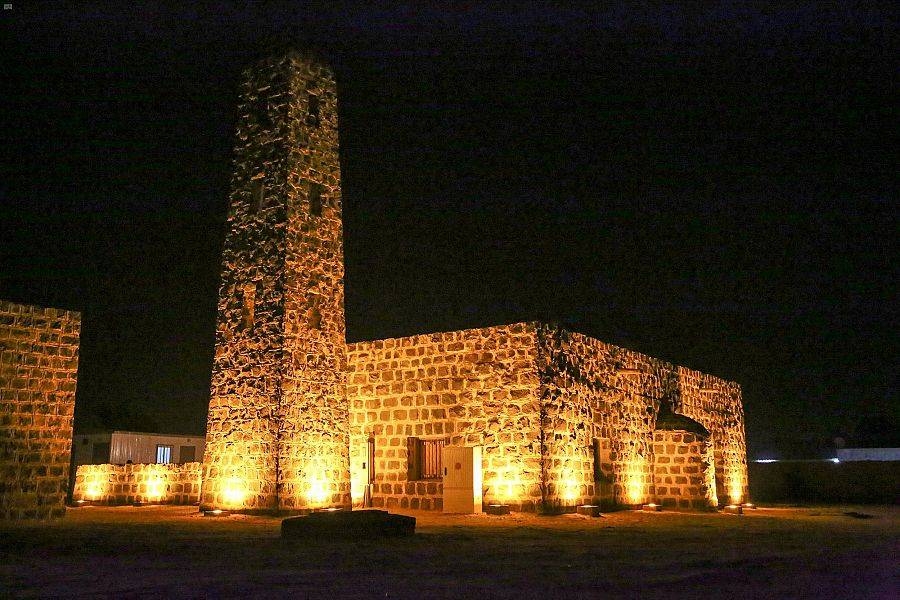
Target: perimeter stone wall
column 471, row 387
column 38, row 374
column 138, row 483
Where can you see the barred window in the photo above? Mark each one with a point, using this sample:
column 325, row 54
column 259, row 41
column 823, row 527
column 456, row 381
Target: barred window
column 163, row 454
column 424, row 458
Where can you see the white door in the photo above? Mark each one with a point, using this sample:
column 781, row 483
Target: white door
column 462, row 479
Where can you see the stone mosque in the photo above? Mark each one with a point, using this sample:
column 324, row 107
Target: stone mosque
column 299, row 419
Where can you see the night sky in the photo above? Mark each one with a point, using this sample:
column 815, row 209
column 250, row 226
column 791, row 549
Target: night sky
column 713, row 187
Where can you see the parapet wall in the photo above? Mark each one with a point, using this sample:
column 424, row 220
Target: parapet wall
column 129, row 484
column 471, row 387
column 38, row 374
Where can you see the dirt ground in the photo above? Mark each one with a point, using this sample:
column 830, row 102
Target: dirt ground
column 174, row 552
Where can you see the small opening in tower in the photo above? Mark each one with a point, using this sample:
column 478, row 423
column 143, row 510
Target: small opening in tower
column 248, row 306
column 315, row 318
column 315, row 199
column 312, row 111
column 257, row 195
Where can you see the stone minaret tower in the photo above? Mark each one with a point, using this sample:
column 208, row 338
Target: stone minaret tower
column 277, row 431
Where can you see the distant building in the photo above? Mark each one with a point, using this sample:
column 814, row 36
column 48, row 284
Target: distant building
column 122, row 447
column 859, row 454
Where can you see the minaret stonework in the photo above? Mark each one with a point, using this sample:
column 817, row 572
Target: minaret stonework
column 277, row 430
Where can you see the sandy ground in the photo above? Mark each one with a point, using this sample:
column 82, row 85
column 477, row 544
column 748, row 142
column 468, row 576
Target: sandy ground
column 174, row 552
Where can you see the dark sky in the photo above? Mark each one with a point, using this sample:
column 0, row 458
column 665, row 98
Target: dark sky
column 714, row 187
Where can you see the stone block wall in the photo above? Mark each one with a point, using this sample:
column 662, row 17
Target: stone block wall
column 717, row 404
column 38, row 374
column 564, row 419
column 597, row 391
column 138, row 483
column 683, row 470
column 471, row 387
column 277, row 426
column 314, row 439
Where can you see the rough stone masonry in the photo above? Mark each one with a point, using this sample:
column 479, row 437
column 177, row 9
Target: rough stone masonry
column 38, row 372
column 298, row 419
column 277, row 433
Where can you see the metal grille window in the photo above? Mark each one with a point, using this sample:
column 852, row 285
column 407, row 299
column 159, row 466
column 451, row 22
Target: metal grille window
column 163, row 454
column 424, row 458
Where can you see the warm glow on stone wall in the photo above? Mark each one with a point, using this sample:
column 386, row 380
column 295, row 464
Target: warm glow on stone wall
column 316, row 474
column 127, row 484
column 735, row 474
column 735, row 486
column 634, row 479
column 233, row 481
column 234, row 492
column 507, row 486
column 157, row 483
column 317, row 483
column 569, row 486
column 95, row 485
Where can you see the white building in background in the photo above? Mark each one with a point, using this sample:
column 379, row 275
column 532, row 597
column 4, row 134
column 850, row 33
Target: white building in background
column 122, row 447
column 858, row 454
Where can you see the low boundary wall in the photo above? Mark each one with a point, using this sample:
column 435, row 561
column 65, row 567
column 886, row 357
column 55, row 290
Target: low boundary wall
column 130, row 484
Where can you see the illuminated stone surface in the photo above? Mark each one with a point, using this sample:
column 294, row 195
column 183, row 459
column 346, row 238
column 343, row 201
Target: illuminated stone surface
column 38, row 373
column 682, row 470
column 535, row 397
column 138, row 483
column 277, row 425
